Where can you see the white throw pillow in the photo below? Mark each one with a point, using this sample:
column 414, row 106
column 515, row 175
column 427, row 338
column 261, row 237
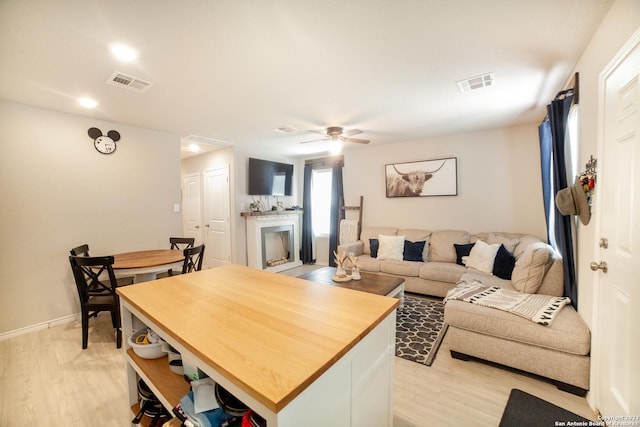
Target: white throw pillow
column 482, row 257
column 390, row 247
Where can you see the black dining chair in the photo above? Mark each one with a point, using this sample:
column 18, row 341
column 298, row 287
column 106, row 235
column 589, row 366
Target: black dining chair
column 83, row 250
column 181, row 243
column 96, row 285
column 193, row 258
column 177, row 243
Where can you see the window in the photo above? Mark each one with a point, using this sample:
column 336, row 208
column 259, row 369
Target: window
column 321, row 201
column 572, row 144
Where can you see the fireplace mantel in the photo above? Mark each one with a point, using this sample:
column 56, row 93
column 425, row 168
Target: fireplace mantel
column 263, row 213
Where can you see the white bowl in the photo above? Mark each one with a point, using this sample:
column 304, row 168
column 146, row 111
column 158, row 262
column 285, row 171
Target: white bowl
column 146, row 351
column 175, row 361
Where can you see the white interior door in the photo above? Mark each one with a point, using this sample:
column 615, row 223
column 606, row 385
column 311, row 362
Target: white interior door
column 217, row 221
column 191, row 207
column 618, row 291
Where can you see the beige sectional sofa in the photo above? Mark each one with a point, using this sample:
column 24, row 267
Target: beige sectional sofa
column 559, row 351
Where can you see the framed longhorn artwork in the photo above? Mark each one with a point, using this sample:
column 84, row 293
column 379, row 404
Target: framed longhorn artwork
column 438, row 177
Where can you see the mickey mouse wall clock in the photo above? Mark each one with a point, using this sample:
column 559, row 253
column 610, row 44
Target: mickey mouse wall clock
column 105, row 144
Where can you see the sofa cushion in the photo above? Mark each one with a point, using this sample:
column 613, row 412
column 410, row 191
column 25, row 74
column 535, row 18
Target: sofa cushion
column 373, row 233
column 567, row 333
column 531, row 267
column 486, row 279
column 401, row 268
column 391, row 247
column 482, row 257
column 441, row 243
column 413, row 251
column 369, row 264
column 509, row 242
column 504, row 263
column 462, row 251
column 414, row 234
column 524, row 243
column 442, row 271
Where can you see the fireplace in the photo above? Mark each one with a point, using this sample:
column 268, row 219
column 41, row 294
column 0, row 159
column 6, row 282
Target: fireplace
column 273, row 241
column 277, row 245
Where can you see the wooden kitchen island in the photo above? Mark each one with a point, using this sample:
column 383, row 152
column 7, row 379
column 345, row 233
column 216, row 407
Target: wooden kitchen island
column 294, row 351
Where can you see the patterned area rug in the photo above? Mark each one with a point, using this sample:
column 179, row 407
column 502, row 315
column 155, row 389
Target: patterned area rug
column 420, row 329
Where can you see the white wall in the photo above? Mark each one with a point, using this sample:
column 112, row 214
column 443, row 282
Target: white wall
column 620, row 23
column 58, row 192
column 499, row 185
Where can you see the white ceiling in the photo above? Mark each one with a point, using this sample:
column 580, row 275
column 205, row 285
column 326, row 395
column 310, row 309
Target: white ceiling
column 234, row 70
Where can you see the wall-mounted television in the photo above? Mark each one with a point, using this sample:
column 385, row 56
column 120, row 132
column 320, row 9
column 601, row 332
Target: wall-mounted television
column 268, row 178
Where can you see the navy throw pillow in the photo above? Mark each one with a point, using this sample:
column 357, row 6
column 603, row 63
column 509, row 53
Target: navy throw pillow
column 462, row 250
column 374, row 244
column 504, row 263
column 413, row 250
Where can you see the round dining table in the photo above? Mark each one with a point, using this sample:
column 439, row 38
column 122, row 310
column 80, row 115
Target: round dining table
column 145, row 265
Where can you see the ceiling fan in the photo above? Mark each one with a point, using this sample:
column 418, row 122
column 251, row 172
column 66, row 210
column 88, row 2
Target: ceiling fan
column 337, row 133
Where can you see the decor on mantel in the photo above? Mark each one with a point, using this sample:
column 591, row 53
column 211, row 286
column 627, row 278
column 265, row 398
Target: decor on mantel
column 436, row 177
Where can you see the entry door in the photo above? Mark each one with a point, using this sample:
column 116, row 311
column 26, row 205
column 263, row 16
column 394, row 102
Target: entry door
column 191, row 208
column 618, row 296
column 217, row 222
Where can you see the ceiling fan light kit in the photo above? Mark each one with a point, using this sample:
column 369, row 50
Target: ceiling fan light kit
column 337, row 133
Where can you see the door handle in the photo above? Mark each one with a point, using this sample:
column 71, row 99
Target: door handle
column 602, row 266
column 197, row 226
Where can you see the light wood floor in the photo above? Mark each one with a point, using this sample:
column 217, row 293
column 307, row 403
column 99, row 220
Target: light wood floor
column 46, row 379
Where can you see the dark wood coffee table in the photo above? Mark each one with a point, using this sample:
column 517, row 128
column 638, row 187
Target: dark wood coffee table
column 370, row 282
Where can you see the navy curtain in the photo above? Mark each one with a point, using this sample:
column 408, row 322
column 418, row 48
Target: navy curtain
column 336, row 214
column 552, row 134
column 306, row 249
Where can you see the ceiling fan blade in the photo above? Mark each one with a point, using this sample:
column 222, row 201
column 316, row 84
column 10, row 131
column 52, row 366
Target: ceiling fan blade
column 314, row 140
column 357, row 140
column 351, row 132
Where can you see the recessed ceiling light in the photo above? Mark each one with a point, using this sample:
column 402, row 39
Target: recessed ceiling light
column 88, row 102
column 123, row 52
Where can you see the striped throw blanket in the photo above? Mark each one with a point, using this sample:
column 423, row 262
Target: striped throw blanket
column 541, row 309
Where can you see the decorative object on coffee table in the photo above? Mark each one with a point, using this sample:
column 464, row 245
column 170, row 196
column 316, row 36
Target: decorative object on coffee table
column 379, row 284
column 341, row 275
column 355, row 267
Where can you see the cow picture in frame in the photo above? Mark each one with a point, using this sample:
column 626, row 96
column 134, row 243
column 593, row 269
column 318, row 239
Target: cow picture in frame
column 437, row 177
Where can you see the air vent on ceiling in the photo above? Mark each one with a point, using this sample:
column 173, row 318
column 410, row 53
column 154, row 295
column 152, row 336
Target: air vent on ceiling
column 476, row 82
column 195, row 139
column 128, row 82
column 285, row 129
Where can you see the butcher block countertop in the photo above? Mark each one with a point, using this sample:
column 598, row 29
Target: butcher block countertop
column 269, row 334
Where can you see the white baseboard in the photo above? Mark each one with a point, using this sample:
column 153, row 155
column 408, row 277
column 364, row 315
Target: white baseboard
column 39, row 326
